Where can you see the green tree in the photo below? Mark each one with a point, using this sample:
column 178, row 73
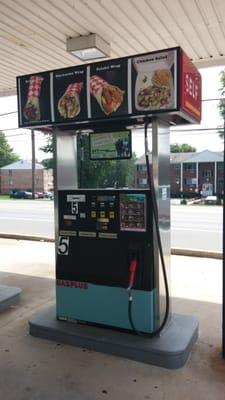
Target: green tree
column 181, row 148
column 48, row 149
column 7, row 155
column 47, row 163
column 221, row 105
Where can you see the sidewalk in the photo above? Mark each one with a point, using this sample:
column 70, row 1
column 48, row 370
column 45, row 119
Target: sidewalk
column 32, row 368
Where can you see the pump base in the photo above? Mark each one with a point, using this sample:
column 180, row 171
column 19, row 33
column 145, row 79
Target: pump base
column 9, row 296
column 170, row 350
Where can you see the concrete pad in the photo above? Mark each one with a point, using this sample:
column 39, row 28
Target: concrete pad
column 9, row 296
column 37, row 369
column 170, row 350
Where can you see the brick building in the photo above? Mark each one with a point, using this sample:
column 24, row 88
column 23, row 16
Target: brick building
column 18, row 176
column 189, row 172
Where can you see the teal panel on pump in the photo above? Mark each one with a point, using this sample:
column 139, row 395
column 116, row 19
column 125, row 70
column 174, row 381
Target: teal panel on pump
column 106, row 305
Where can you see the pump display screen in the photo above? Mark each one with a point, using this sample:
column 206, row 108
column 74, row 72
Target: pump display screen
column 110, row 145
column 133, row 212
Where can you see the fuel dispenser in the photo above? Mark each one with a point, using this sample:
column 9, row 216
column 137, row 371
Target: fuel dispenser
column 113, row 244
column 108, row 259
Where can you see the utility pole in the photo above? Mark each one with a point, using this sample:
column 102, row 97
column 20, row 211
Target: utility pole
column 33, row 162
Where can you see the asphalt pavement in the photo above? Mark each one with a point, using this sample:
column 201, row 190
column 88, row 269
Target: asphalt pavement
column 192, row 227
column 27, row 217
column 197, row 227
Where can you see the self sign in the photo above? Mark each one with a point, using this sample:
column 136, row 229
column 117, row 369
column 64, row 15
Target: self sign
column 191, row 86
column 190, row 89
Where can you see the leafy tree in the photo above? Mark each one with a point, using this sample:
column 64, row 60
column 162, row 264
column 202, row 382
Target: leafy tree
column 47, row 163
column 7, row 155
column 221, row 105
column 181, row 148
column 48, row 148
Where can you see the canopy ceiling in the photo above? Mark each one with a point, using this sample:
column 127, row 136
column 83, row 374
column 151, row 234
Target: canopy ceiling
column 33, row 33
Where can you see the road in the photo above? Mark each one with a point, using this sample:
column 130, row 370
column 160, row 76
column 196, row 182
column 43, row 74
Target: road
column 197, row 227
column 31, row 217
column 193, row 227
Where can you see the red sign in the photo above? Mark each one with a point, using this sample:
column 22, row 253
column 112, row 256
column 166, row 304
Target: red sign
column 190, row 88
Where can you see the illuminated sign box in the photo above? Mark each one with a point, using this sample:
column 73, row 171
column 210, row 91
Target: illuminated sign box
column 162, row 83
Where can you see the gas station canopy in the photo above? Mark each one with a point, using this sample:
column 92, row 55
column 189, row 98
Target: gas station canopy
column 34, row 33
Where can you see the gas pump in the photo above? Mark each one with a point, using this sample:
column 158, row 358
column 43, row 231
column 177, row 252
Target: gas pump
column 108, row 259
column 113, row 244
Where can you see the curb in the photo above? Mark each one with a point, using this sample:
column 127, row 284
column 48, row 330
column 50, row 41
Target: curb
column 197, row 253
column 174, row 251
column 26, row 237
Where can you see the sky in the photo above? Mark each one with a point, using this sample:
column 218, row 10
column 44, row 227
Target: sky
column 20, row 139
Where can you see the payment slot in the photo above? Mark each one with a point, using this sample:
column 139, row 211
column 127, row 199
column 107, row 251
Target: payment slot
column 103, row 231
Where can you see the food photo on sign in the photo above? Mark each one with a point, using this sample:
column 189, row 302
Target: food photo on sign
column 108, row 89
column 153, row 81
column 34, row 99
column 69, row 95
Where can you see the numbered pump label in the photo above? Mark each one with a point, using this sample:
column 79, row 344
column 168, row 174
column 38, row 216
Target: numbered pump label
column 63, row 245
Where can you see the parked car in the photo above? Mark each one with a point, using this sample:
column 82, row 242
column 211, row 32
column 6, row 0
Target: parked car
column 211, row 200
column 21, row 194
column 48, row 195
column 39, row 195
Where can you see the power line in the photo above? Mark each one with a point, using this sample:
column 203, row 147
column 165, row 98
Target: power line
column 8, row 113
column 22, row 133
column 194, row 130
column 216, row 99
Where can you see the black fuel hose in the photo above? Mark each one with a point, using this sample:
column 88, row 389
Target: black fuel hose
column 155, row 216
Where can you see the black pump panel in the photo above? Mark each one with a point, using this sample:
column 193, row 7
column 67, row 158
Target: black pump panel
column 100, row 232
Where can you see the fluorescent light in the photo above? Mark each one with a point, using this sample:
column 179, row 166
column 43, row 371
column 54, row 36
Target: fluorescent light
column 88, row 47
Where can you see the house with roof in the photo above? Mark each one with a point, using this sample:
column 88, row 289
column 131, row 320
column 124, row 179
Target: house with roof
column 189, row 172
column 18, row 176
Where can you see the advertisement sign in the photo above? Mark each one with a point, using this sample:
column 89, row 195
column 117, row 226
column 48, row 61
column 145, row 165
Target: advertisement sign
column 154, row 82
column 34, row 100
column 122, row 88
column 108, row 89
column 69, row 95
column 133, row 212
column 190, row 88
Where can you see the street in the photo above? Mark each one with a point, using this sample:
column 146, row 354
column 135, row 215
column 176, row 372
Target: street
column 192, row 227
column 197, row 227
column 27, row 217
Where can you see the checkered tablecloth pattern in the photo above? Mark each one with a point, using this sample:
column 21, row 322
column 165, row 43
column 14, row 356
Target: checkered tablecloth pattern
column 96, row 82
column 74, row 87
column 35, row 86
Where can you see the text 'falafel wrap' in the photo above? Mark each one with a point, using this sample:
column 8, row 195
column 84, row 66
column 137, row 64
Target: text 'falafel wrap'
column 69, row 103
column 109, row 97
column 31, row 110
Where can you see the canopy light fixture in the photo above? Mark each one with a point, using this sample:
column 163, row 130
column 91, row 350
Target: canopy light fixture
column 88, row 47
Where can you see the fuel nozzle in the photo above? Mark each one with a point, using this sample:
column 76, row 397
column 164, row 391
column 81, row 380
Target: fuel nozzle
column 133, row 267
